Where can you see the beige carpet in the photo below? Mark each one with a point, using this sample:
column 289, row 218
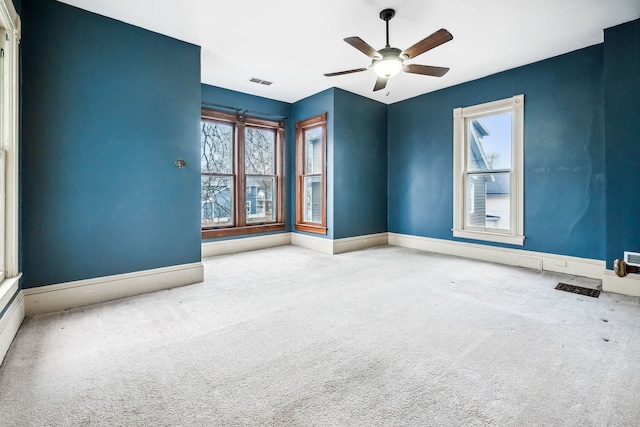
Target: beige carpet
column 289, row 337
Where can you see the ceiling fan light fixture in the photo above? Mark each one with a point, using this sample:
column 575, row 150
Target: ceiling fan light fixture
column 389, row 61
column 390, row 64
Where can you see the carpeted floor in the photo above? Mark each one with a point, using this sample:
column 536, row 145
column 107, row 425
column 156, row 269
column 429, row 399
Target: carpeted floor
column 289, row 337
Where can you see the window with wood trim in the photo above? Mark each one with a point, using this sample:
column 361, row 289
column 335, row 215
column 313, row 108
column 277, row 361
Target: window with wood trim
column 242, row 175
column 311, row 182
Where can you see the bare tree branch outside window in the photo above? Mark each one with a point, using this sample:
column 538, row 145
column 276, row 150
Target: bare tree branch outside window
column 217, row 169
column 260, row 170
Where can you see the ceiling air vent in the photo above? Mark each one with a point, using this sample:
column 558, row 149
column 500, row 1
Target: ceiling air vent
column 632, row 258
column 260, row 81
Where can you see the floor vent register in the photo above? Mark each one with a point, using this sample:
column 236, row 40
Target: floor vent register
column 595, row 293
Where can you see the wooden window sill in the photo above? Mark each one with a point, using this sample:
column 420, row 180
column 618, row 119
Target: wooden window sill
column 239, row 231
column 310, row 228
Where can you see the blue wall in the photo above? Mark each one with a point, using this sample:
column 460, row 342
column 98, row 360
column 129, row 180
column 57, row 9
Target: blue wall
column 107, row 109
column 563, row 154
column 306, row 108
column 359, row 165
column 622, row 135
column 356, row 154
column 276, row 110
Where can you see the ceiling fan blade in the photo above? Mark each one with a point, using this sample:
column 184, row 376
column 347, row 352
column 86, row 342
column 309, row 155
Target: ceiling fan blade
column 363, row 47
column 380, row 83
column 434, row 40
column 339, row 73
column 426, row 70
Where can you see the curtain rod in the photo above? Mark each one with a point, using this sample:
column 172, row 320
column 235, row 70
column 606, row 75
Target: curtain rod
column 242, row 111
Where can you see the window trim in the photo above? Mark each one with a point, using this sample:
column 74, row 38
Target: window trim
column 240, row 226
column 9, row 116
column 515, row 105
column 301, row 126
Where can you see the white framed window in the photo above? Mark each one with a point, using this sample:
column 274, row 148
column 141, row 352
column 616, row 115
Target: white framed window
column 488, row 187
column 9, row 42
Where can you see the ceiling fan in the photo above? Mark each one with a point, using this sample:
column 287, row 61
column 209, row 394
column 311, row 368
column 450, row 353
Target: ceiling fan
column 389, row 61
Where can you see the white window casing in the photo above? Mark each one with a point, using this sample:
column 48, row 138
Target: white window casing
column 2, row 209
column 514, row 235
column 10, row 40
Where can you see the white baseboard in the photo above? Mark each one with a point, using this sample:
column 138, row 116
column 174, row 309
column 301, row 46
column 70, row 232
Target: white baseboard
column 8, row 289
column 245, row 244
column 10, row 323
column 318, row 244
column 357, row 243
column 338, row 246
column 628, row 285
column 50, row 298
column 584, row 267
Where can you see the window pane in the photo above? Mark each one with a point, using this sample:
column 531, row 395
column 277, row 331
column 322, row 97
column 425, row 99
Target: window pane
column 217, row 147
column 313, row 199
column 260, row 203
column 313, row 151
column 489, row 142
column 217, row 201
column 259, row 151
column 488, row 200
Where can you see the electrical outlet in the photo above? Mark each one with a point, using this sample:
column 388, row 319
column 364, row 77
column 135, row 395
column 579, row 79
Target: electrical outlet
column 560, row 263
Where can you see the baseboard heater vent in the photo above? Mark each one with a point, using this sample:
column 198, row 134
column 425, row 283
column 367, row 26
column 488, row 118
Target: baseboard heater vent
column 595, row 293
column 632, row 258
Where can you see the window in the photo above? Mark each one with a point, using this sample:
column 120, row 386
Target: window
column 488, row 171
column 9, row 42
column 311, row 183
column 241, row 166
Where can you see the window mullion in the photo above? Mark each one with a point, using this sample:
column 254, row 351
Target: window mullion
column 488, row 171
column 280, row 174
column 241, row 179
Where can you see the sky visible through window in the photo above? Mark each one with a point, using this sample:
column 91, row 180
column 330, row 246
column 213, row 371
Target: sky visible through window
column 499, row 139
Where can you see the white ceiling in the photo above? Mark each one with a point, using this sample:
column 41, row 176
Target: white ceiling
column 293, row 42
